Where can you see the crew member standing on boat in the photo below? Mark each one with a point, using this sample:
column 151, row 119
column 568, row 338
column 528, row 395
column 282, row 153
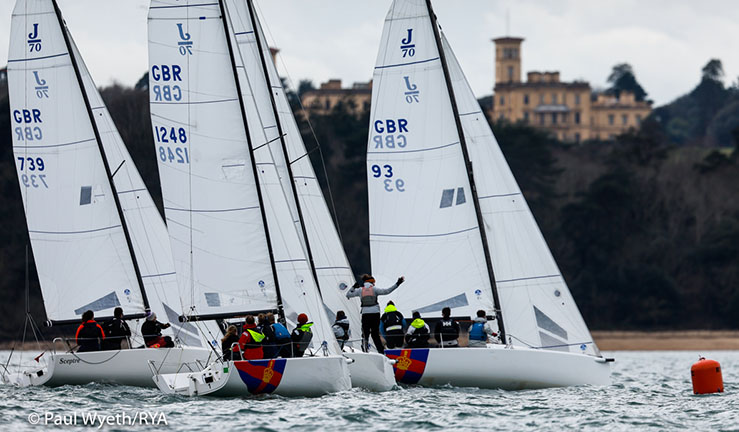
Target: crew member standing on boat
column 115, row 331
column 393, row 323
column 479, row 331
column 371, row 308
column 341, row 329
column 230, row 352
column 269, row 345
column 89, row 333
column 418, row 333
column 301, row 336
column 151, row 330
column 251, row 340
column 446, row 331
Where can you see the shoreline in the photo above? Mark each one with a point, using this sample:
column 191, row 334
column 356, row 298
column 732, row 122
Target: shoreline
column 607, row 340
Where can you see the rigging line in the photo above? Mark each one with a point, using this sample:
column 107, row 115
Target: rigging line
column 119, row 167
column 305, row 114
column 269, row 142
column 306, row 154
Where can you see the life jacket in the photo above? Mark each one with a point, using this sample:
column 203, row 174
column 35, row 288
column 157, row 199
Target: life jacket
column 448, row 330
column 344, row 324
column 250, row 338
column 280, row 331
column 369, row 297
column 393, row 319
column 88, row 333
column 421, row 332
column 477, row 331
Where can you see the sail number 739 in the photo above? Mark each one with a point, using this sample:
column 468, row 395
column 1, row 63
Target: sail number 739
column 35, row 179
column 172, row 153
column 385, row 173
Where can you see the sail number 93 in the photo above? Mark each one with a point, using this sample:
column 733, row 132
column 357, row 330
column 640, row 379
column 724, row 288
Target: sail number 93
column 386, row 173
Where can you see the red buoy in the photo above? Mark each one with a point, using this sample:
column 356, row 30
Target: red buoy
column 706, row 376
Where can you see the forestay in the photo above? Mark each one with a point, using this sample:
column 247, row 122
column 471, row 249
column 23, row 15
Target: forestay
column 210, row 198
column 538, row 308
column 331, row 265
column 422, row 221
column 434, row 208
column 297, row 286
column 79, row 245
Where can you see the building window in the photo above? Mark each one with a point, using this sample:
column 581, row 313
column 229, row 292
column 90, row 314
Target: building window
column 541, row 119
column 638, row 119
column 577, row 98
column 577, row 137
column 624, row 119
column 554, row 99
column 525, row 99
column 611, row 119
column 554, row 118
column 510, row 73
column 525, row 116
column 564, row 118
column 328, row 104
column 502, row 100
column 577, row 118
column 510, row 53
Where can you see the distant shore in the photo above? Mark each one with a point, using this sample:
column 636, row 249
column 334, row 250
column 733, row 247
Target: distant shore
column 686, row 340
column 607, row 340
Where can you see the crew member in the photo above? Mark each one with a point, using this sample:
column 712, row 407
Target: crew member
column 301, row 336
column 269, row 345
column 418, row 333
column 151, row 330
column 446, row 331
column 480, row 330
column 115, row 331
column 371, row 308
column 392, row 323
column 251, row 339
column 341, row 329
column 230, row 351
column 89, row 333
column 282, row 337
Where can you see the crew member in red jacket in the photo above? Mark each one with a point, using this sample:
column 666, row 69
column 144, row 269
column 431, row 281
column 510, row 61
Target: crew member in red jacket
column 89, row 333
column 251, row 340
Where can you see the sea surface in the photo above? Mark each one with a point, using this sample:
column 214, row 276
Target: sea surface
column 650, row 391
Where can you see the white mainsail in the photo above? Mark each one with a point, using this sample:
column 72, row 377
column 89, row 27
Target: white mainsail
column 220, row 176
column 77, row 235
column 423, row 221
column 331, row 265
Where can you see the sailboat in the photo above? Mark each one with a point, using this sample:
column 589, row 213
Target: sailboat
column 97, row 237
column 446, row 211
column 319, row 237
column 236, row 246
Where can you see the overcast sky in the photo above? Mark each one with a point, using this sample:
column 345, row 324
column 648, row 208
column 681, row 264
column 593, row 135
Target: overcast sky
column 666, row 41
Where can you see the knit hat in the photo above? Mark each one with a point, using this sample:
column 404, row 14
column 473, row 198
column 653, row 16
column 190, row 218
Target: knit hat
column 151, row 317
column 302, row 318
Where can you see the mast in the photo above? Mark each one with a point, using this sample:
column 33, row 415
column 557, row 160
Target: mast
column 280, row 309
column 470, row 174
column 99, row 141
column 252, row 13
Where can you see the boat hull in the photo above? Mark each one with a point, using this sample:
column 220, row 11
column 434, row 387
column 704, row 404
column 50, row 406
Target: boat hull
column 498, row 367
column 133, row 367
column 371, row 371
column 305, row 376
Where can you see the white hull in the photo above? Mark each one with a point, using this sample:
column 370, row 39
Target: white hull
column 305, row 376
column 133, row 367
column 371, row 371
column 498, row 367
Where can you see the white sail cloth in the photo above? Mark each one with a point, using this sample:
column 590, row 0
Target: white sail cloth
column 427, row 229
column 331, row 265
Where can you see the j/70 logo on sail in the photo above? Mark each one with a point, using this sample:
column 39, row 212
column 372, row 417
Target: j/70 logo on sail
column 408, row 49
column 42, row 89
column 34, row 41
column 411, row 95
column 185, row 44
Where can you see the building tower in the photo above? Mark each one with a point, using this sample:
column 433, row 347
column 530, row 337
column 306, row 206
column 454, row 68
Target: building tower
column 507, row 60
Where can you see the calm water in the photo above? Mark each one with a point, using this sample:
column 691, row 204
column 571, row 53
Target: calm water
column 650, row 391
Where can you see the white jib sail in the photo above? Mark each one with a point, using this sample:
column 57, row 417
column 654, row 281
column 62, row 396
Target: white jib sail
column 422, row 220
column 297, row 286
column 538, row 308
column 210, row 198
column 331, row 265
column 79, row 246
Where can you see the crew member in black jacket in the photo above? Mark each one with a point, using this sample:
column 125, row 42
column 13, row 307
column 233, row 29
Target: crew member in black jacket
column 115, row 331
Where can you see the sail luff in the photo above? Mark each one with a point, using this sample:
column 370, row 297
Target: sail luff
column 469, row 170
column 283, row 146
column 224, row 19
column 108, row 172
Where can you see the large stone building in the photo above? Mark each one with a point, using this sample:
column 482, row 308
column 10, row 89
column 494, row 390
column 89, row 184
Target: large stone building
column 357, row 98
column 571, row 111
